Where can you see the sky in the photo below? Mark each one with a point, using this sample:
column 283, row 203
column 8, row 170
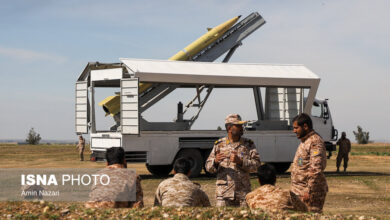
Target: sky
column 44, row 46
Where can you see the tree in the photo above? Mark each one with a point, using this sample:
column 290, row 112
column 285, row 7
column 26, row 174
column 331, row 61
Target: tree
column 33, row 137
column 361, row 136
column 219, row 128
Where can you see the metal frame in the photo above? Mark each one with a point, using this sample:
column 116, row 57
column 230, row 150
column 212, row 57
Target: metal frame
column 201, row 102
column 258, row 103
column 84, row 83
column 231, row 39
column 131, row 99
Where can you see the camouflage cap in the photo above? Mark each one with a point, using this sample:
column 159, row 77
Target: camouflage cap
column 234, row 119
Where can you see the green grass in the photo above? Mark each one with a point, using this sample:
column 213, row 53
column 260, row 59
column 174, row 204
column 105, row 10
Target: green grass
column 371, row 153
column 370, row 150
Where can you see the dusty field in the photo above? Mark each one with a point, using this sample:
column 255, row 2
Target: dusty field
column 363, row 191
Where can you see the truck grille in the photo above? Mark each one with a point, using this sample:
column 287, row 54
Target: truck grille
column 136, row 156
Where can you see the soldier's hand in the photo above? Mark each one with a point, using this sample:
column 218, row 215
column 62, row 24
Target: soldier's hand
column 235, row 158
column 219, row 157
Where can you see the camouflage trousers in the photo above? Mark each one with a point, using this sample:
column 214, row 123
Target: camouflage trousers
column 314, row 204
column 81, row 154
column 237, row 202
column 341, row 157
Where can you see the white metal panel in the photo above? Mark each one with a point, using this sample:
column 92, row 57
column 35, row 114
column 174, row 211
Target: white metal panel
column 106, row 74
column 129, row 106
column 221, row 73
column 130, row 114
column 283, row 103
column 81, row 121
column 81, row 108
column 81, row 129
column 81, row 114
column 128, row 85
column 266, row 147
column 286, row 146
column 79, row 93
column 130, row 129
column 105, row 142
column 130, row 121
column 130, row 98
column 82, row 100
column 129, row 91
column 81, row 86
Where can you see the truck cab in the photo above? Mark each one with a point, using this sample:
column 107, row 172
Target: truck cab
column 323, row 123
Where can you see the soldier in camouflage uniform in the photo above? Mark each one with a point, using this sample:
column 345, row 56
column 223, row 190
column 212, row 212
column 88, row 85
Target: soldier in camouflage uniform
column 80, row 146
column 268, row 196
column 344, row 149
column 179, row 191
column 233, row 158
column 124, row 189
column 308, row 183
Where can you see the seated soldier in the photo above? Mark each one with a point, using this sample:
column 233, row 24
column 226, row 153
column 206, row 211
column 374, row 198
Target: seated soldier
column 179, row 191
column 120, row 192
column 268, row 196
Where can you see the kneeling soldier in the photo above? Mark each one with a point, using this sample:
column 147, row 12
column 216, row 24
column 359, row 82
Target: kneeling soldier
column 120, row 192
column 268, row 196
column 179, row 191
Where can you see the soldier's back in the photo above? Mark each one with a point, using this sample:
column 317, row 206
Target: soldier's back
column 179, row 191
column 268, row 197
column 123, row 190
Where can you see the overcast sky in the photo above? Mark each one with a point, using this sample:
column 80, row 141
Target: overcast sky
column 44, row 45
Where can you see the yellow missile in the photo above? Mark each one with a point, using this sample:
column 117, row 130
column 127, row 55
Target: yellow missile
column 111, row 104
column 195, row 47
column 212, row 35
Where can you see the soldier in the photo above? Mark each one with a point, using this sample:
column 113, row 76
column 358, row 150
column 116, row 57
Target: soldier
column 268, row 196
column 233, row 158
column 120, row 191
column 179, row 191
column 308, row 183
column 344, row 149
column 80, row 146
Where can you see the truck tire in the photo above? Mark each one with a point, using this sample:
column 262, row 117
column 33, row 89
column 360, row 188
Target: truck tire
column 196, row 160
column 159, row 170
column 281, row 167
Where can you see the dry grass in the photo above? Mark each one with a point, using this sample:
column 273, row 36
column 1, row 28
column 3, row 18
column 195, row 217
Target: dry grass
column 364, row 190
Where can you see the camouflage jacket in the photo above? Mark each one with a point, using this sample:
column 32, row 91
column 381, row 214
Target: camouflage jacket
column 232, row 179
column 344, row 145
column 81, row 144
column 268, row 197
column 123, row 191
column 307, row 171
column 179, row 191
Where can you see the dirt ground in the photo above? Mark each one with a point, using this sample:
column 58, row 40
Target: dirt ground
column 363, row 191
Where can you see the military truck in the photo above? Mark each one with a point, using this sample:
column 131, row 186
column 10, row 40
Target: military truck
column 288, row 90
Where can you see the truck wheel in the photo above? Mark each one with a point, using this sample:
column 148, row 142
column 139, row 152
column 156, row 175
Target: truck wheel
column 281, row 167
column 159, row 170
column 196, row 160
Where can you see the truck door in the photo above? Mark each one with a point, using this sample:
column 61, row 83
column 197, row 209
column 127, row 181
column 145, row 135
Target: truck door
column 321, row 123
column 129, row 106
column 81, row 107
